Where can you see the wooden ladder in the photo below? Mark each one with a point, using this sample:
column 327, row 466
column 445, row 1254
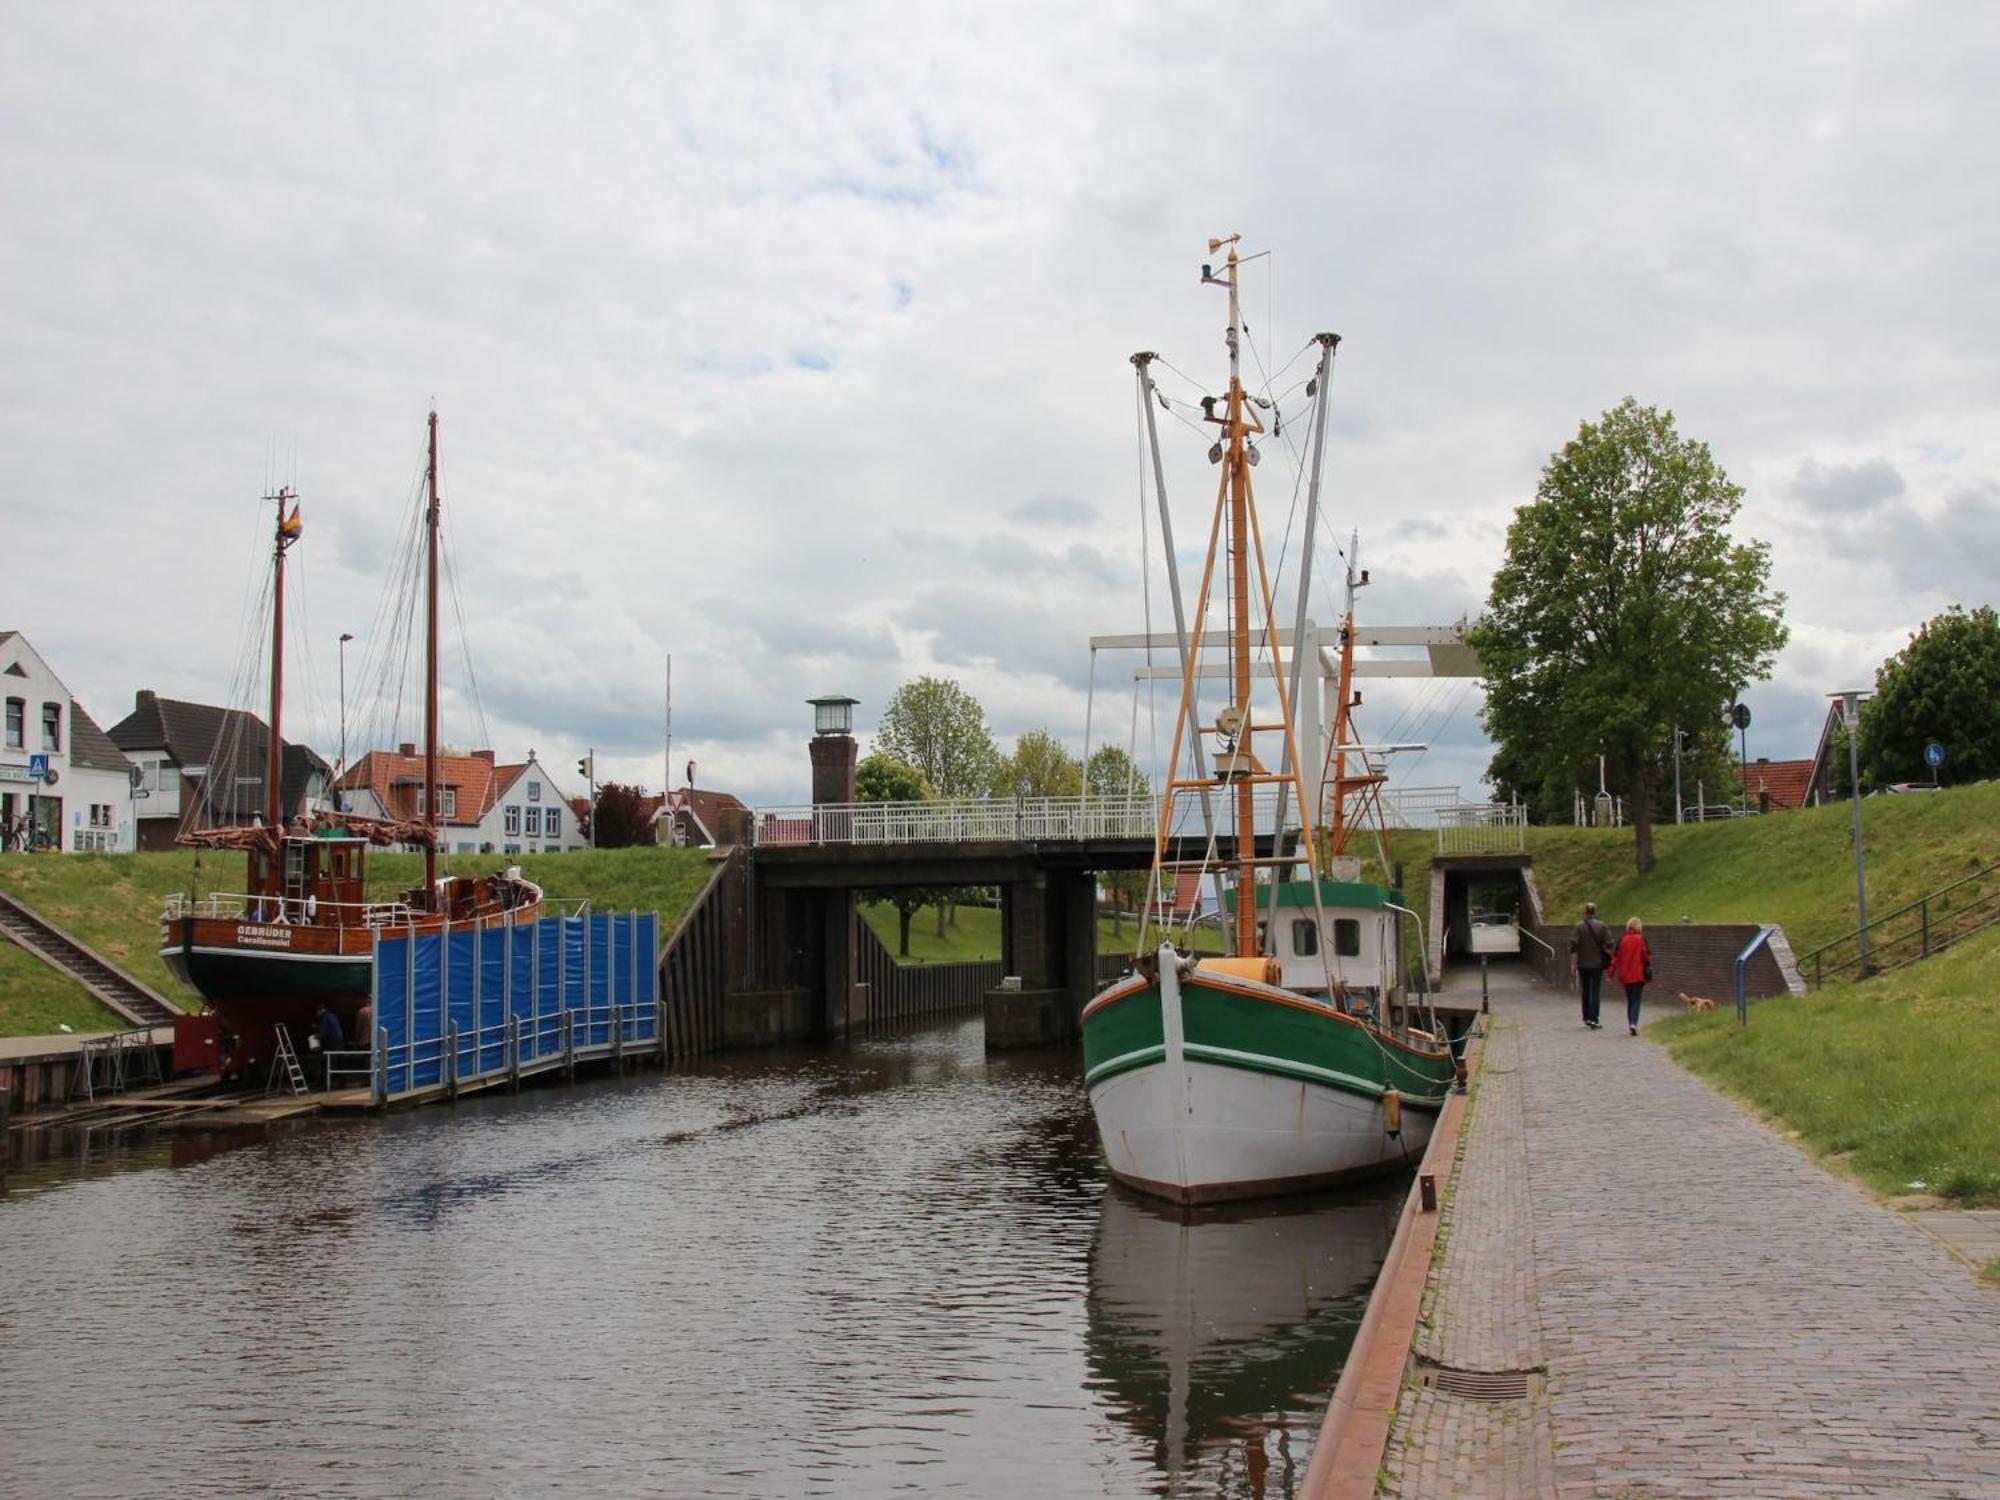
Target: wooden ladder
column 287, row 1060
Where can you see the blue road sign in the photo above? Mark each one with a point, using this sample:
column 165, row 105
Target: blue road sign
column 38, row 768
column 1933, row 755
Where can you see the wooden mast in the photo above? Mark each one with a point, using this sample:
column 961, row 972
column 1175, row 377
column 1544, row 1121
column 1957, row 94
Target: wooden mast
column 274, row 809
column 430, row 814
column 1237, row 476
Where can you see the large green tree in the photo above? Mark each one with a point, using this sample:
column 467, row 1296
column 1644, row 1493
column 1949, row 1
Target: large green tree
column 938, row 727
column 1943, row 686
column 1041, row 766
column 883, row 778
column 1624, row 609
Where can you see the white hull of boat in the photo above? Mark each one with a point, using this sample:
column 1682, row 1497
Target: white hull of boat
column 1241, row 1133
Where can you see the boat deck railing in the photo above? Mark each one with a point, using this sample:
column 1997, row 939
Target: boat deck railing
column 513, row 1048
column 291, row 911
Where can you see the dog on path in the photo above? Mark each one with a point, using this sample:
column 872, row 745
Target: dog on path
column 1697, row 1002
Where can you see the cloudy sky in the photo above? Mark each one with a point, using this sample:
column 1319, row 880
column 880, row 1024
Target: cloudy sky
column 792, row 340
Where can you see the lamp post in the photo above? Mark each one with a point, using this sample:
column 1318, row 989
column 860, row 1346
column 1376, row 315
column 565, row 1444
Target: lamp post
column 340, row 802
column 1850, row 720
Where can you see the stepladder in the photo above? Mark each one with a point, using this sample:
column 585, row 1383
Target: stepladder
column 285, row 1070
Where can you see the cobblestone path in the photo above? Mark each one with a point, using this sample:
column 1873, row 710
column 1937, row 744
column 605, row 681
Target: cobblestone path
column 1716, row 1314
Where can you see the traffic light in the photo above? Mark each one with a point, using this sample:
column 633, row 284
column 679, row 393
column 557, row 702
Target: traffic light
column 587, row 767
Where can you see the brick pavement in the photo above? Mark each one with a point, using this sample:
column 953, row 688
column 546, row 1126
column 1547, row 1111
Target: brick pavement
column 1718, row 1316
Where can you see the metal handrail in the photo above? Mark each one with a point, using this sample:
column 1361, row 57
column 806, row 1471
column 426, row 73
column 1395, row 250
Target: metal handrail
column 1764, row 935
column 979, row 819
column 1926, row 934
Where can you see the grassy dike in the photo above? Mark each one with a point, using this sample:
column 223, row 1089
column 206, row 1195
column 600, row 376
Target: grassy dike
column 111, row 902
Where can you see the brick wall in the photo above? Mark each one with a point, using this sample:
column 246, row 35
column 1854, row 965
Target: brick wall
column 1692, row 958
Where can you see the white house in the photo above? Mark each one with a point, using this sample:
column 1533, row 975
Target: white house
column 204, row 767
column 486, row 808
column 63, row 784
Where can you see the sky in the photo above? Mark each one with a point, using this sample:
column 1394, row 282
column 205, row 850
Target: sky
column 791, row 342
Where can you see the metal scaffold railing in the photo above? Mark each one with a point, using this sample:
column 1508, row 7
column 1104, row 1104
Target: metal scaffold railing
column 1482, row 828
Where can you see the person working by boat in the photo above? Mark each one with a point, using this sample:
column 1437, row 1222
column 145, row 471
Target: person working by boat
column 329, row 1038
column 1589, row 951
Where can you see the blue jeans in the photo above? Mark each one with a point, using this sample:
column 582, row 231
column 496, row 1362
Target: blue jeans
column 1632, row 994
column 1591, row 982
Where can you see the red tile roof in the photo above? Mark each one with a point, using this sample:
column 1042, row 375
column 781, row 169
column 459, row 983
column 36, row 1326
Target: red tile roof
column 394, row 778
column 1787, row 781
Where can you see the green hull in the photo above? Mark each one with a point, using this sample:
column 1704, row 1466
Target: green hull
column 1256, row 1028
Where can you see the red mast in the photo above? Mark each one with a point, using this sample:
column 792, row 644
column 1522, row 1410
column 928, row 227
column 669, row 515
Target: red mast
column 431, row 682
column 287, row 532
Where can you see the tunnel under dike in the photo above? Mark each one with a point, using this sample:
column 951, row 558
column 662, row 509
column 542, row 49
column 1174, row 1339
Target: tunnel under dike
column 1468, row 887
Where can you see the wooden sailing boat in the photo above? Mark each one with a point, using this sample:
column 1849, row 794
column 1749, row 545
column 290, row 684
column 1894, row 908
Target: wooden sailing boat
column 301, row 933
column 1284, row 1066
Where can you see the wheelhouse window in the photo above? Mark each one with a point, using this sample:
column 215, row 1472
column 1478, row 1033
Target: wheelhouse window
column 17, row 723
column 1347, row 937
column 1305, row 938
column 52, row 726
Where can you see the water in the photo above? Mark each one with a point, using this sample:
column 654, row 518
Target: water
column 891, row 1268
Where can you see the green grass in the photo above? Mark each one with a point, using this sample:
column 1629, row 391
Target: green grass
column 1894, row 1076
column 1991, row 1271
column 111, row 902
column 1792, row 868
column 35, row 1000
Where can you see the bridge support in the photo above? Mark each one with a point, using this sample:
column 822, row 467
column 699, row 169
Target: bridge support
column 1048, row 943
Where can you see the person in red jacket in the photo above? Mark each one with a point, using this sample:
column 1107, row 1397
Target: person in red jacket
column 1632, row 966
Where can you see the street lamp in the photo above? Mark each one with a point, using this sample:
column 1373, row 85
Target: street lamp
column 339, row 803
column 1850, row 720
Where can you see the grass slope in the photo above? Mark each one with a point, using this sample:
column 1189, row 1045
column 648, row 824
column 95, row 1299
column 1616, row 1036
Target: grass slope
column 1793, row 868
column 111, row 902
column 1895, row 1077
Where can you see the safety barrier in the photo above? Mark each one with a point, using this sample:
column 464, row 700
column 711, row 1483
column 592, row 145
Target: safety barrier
column 471, row 1005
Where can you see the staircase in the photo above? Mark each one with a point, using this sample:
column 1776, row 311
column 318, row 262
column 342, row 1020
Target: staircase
column 1927, row 925
column 138, row 1004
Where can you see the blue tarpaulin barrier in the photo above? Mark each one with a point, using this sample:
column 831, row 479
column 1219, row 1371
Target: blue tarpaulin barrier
column 528, row 995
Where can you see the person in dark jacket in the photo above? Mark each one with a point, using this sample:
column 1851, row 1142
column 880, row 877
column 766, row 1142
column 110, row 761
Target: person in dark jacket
column 1589, row 951
column 1632, row 966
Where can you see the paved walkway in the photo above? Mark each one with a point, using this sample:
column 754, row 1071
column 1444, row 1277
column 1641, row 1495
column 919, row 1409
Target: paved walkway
column 1690, row 1305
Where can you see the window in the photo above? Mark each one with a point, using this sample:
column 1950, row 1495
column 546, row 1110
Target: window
column 1305, row 938
column 1347, row 937
column 552, row 824
column 17, row 723
column 463, row 848
column 534, row 791
column 52, row 726
column 513, row 848
column 447, row 801
column 534, row 822
column 512, row 819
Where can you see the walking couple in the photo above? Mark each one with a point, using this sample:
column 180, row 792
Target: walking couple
column 1629, row 960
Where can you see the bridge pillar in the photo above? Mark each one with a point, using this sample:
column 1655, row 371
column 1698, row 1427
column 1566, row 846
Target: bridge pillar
column 1048, row 944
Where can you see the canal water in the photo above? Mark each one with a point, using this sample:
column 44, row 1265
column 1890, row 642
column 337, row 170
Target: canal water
column 895, row 1267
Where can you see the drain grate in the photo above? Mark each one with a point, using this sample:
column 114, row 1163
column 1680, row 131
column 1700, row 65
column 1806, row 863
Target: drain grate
column 1480, row 1385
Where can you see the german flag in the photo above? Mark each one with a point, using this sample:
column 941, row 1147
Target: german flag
column 291, row 526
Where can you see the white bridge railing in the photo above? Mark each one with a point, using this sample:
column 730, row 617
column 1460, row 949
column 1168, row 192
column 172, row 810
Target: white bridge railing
column 1482, row 828
column 1001, row 820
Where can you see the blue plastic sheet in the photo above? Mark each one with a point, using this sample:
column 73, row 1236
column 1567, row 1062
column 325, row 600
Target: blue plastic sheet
column 392, row 1009
column 492, row 1003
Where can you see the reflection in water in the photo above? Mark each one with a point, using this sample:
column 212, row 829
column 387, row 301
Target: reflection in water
column 834, row 1271
column 1218, row 1332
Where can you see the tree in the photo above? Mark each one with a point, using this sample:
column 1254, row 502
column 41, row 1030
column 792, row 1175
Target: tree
column 1623, row 610
column 620, row 819
column 1039, row 767
column 1943, row 686
column 938, row 727
column 883, row 778
column 1113, row 773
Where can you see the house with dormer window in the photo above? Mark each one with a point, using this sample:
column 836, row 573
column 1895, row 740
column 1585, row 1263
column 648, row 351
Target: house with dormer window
column 485, row 807
column 204, row 767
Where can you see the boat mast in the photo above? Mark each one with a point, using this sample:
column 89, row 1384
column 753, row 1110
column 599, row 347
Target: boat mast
column 1236, row 474
column 430, row 816
column 286, row 532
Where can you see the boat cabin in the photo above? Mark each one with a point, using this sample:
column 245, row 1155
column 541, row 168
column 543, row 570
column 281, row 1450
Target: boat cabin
column 318, row 879
column 1350, row 934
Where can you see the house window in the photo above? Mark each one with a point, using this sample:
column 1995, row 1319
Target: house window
column 17, row 723
column 552, row 824
column 447, row 801
column 512, row 819
column 534, row 822
column 1305, row 938
column 52, row 726
column 534, row 791
column 1347, row 937
column 513, row 848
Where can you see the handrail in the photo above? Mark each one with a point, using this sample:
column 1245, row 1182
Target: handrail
column 1927, row 940
column 1763, row 936
column 979, row 819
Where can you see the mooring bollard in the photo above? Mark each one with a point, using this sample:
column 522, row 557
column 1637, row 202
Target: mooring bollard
column 1427, row 1191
